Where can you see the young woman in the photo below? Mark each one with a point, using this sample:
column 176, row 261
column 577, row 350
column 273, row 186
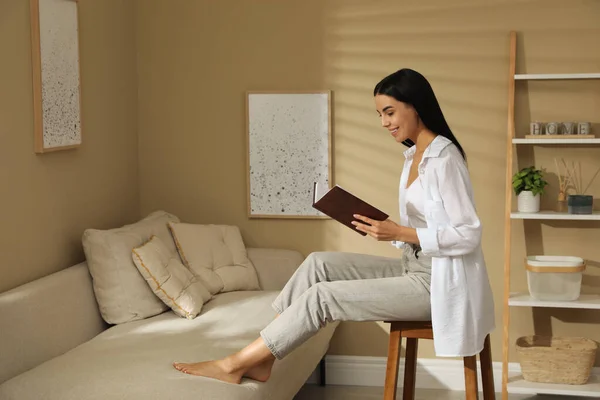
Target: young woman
column 441, row 275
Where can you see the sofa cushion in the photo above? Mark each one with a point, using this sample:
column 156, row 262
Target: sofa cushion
column 134, row 360
column 121, row 291
column 45, row 318
column 217, row 255
column 169, row 279
column 274, row 267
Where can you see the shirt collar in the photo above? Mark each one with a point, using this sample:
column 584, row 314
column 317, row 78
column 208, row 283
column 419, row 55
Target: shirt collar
column 433, row 150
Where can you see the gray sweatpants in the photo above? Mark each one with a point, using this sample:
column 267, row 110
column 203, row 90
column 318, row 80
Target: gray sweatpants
column 336, row 286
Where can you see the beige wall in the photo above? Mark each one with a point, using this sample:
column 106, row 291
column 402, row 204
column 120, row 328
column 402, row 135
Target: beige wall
column 195, row 65
column 48, row 200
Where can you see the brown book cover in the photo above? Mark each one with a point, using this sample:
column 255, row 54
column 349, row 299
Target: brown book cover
column 342, row 205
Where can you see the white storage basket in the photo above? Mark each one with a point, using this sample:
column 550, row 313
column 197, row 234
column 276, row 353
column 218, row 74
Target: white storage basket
column 554, row 278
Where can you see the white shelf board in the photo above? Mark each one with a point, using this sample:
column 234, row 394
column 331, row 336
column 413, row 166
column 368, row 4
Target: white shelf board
column 587, row 301
column 521, row 386
column 556, row 141
column 521, row 77
column 555, row 215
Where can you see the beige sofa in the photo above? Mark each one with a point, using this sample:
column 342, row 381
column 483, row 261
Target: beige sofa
column 55, row 343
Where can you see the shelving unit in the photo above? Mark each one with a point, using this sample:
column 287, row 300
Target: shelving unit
column 516, row 384
column 555, row 215
column 545, row 77
column 585, row 301
column 556, row 141
column 521, row 386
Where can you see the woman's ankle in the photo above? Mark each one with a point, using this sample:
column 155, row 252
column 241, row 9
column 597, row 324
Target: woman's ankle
column 231, row 366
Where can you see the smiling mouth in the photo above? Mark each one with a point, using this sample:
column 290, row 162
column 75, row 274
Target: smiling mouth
column 394, row 131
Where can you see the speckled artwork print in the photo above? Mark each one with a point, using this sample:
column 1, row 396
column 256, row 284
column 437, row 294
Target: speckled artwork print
column 288, row 152
column 59, row 50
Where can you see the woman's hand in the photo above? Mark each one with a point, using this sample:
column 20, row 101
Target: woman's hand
column 386, row 230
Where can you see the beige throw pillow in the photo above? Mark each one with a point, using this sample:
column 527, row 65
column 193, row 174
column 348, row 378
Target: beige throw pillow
column 217, row 255
column 169, row 279
column 121, row 292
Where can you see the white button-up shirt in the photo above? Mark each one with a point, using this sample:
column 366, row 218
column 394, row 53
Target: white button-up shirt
column 462, row 304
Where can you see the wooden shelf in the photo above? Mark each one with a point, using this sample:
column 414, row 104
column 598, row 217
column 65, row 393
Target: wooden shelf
column 521, row 386
column 513, row 382
column 557, row 141
column 522, row 77
column 556, row 215
column 585, row 301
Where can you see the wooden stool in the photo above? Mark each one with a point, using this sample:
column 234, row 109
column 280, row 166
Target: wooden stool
column 413, row 331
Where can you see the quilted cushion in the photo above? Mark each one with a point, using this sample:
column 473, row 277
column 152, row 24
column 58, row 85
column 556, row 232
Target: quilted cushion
column 169, row 279
column 217, row 255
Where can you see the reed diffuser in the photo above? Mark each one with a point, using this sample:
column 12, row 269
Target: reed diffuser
column 579, row 202
column 563, row 184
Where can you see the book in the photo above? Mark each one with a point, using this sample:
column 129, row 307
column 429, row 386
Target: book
column 341, row 205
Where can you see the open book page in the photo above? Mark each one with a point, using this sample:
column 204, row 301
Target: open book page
column 319, row 190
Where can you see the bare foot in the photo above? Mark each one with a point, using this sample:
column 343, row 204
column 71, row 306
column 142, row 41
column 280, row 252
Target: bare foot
column 261, row 372
column 211, row 369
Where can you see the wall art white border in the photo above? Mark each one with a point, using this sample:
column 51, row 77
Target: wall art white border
column 288, row 150
column 56, row 74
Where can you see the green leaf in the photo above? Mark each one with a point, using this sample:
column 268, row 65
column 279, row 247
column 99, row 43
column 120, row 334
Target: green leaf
column 517, row 182
column 529, row 178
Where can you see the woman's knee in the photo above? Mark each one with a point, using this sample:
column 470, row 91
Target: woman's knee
column 320, row 301
column 320, row 258
column 315, row 261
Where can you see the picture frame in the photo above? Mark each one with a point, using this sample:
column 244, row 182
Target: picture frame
column 289, row 149
column 56, row 75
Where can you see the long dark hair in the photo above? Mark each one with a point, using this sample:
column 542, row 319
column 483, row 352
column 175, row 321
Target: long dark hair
column 409, row 86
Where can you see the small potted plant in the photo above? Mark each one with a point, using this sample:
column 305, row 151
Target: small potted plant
column 529, row 185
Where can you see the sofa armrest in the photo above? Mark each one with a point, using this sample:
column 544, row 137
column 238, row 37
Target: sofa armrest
column 45, row 318
column 274, row 266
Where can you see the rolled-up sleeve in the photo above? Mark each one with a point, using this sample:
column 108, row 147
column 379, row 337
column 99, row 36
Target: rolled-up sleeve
column 458, row 230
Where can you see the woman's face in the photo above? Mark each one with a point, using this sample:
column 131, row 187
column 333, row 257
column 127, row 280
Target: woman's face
column 400, row 119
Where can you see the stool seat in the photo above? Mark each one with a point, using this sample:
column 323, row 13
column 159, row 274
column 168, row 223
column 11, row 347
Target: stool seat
column 415, row 330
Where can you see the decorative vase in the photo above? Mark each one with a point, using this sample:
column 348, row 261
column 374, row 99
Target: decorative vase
column 527, row 202
column 580, row 204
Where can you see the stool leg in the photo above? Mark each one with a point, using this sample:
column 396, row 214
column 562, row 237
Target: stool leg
column 323, row 371
column 471, row 391
column 391, row 373
column 487, row 371
column 410, row 369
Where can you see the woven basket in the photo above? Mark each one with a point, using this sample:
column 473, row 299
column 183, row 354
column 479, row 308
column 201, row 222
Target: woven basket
column 566, row 360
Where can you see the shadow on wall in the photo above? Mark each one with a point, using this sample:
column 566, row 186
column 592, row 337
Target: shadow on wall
column 462, row 48
column 467, row 67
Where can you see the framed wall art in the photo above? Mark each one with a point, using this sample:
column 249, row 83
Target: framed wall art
column 288, row 151
column 56, row 75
